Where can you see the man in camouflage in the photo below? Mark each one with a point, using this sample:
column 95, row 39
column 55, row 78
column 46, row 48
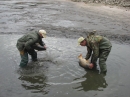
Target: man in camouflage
column 100, row 46
column 27, row 43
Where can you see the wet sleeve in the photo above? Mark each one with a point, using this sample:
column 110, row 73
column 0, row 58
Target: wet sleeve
column 41, row 43
column 89, row 51
column 95, row 48
column 38, row 47
column 29, row 43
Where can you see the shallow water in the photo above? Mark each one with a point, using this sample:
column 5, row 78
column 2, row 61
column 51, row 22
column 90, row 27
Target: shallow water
column 57, row 73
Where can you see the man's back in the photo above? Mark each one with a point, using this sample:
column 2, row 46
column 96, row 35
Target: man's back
column 26, row 37
column 97, row 41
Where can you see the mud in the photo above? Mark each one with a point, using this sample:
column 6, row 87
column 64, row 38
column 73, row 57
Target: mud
column 64, row 19
column 57, row 72
column 123, row 3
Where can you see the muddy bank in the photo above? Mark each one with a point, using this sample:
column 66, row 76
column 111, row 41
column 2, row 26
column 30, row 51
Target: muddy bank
column 72, row 33
column 57, row 72
column 123, row 3
column 63, row 18
column 76, row 32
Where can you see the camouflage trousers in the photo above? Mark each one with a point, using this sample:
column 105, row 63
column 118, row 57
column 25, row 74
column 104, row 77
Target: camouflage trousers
column 102, row 59
column 24, row 57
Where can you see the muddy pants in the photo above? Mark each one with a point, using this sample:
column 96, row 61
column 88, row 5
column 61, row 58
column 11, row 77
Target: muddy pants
column 102, row 59
column 24, row 57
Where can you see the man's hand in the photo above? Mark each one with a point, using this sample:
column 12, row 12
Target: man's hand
column 91, row 66
column 45, row 47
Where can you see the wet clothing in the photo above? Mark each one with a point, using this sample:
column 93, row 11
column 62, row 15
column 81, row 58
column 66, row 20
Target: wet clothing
column 24, row 57
column 101, row 47
column 27, row 44
column 28, row 40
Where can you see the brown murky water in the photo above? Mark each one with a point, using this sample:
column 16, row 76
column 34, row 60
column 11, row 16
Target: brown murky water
column 57, row 73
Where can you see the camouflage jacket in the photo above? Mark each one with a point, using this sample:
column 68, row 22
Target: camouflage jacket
column 28, row 40
column 95, row 43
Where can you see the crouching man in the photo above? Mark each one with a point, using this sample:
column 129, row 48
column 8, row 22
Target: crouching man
column 27, row 43
column 100, row 46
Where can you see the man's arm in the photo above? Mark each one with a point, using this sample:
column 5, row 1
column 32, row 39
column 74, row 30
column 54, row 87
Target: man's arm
column 95, row 48
column 41, row 43
column 39, row 47
column 29, row 43
column 89, row 51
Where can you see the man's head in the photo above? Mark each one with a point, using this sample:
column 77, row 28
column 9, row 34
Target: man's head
column 82, row 41
column 42, row 33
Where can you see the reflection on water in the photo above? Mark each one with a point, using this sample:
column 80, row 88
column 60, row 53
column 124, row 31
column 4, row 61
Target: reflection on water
column 94, row 81
column 34, row 83
column 58, row 74
column 33, row 77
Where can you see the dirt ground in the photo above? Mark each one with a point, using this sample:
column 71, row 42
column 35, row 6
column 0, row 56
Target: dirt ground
column 64, row 18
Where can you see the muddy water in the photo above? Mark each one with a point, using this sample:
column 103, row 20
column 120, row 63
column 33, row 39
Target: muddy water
column 57, row 73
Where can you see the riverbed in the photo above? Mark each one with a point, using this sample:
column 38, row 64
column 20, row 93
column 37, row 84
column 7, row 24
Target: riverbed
column 57, row 72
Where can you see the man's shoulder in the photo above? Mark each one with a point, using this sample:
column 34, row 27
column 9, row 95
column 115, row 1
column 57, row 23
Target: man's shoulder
column 94, row 39
column 31, row 33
